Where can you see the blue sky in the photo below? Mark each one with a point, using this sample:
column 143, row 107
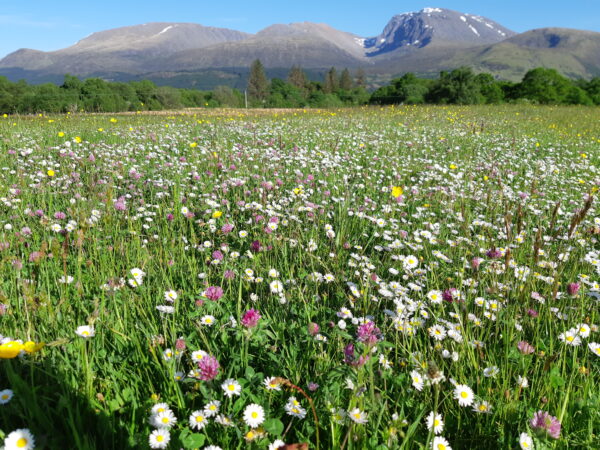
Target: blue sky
column 44, row 25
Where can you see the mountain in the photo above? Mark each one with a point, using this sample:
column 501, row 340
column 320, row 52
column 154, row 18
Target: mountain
column 438, row 27
column 128, row 49
column 308, row 44
column 423, row 42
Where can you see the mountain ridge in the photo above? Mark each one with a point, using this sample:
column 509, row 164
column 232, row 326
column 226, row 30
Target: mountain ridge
column 423, row 42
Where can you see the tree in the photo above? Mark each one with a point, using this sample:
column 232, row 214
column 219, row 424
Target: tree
column 226, row 96
column 346, row 80
column 406, row 89
column 545, row 86
column 258, row 84
column 456, row 87
column 592, row 88
column 489, row 88
column 331, row 83
column 296, row 77
column 361, row 78
column 284, row 95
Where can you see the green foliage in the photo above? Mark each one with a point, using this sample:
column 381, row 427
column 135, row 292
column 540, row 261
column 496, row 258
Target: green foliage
column 463, row 87
column 258, row 84
column 458, row 87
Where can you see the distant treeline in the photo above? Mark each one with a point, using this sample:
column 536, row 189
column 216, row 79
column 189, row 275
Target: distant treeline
column 460, row 86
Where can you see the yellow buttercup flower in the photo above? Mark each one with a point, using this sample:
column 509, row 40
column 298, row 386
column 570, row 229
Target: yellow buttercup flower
column 453, row 166
column 194, row 145
column 12, row 349
column 397, row 191
column 217, row 214
column 61, row 134
column 51, row 173
column 78, row 139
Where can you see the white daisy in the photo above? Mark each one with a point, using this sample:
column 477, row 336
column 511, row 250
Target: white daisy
column 164, row 419
column 439, row 443
column 254, row 415
column 5, row 396
column 435, row 422
column 159, row 438
column 231, row 387
column 21, row 439
column 417, row 380
column 464, row 395
column 85, row 331
column 595, row 348
column 525, row 441
column 358, row 416
column 198, row 420
column 212, row 408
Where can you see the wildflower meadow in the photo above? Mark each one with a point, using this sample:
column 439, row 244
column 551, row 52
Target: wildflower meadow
column 369, row 278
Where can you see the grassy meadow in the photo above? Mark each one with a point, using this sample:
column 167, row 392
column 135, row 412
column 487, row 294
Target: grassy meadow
column 408, row 277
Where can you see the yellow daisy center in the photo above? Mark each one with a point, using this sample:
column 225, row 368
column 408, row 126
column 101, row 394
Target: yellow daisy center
column 159, row 438
column 357, row 416
column 165, row 420
column 254, row 414
column 463, row 394
column 436, row 423
column 441, row 447
column 85, row 333
column 5, row 397
column 231, row 387
column 21, row 443
column 570, row 338
column 199, row 418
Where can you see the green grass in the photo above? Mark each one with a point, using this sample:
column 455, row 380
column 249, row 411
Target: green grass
column 473, row 179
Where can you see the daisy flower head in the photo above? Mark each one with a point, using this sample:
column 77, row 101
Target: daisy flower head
column 85, row 331
column 464, row 395
column 410, row 262
column 417, row 380
column 212, row 408
column 160, row 407
column 570, row 337
column 231, row 387
column 198, row 420
column 439, row 443
column 276, row 287
column 295, row 410
column 438, row 332
column 525, row 441
column 197, row 355
column 224, row 420
column 19, row 439
column 276, row 444
column 594, row 348
column 435, row 422
column 6, row 396
column 137, row 273
column 583, row 330
column 338, row 416
column 159, row 438
column 435, row 297
column 358, row 416
column 482, row 407
column 208, row 320
column 170, row 296
column 164, row 419
column 254, row 415
column 271, row 384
